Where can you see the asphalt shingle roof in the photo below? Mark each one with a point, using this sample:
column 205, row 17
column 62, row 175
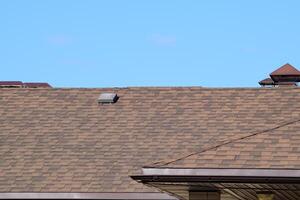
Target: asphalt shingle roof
column 62, row 140
column 274, row 148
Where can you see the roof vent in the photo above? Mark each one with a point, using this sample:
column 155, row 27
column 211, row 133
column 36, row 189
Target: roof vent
column 266, row 82
column 108, row 98
column 286, row 75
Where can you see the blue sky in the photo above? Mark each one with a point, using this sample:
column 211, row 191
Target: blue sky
column 118, row 43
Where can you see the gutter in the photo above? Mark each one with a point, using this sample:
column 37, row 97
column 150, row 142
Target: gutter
column 222, row 172
column 219, row 175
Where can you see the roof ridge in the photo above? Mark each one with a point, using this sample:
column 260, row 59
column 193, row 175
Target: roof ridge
column 228, row 142
column 163, row 88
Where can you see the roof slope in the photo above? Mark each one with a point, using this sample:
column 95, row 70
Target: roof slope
column 275, row 148
column 62, row 140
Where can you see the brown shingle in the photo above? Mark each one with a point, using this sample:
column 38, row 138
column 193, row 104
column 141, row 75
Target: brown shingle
column 62, row 140
column 268, row 150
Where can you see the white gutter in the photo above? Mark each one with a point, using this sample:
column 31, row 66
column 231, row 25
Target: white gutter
column 222, row 172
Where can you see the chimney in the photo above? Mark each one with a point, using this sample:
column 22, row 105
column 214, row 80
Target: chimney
column 286, row 75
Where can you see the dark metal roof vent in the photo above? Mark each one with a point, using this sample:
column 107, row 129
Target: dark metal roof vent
column 108, row 98
column 286, row 75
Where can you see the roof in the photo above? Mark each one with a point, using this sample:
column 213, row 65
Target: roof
column 286, row 69
column 266, row 81
column 273, row 148
column 11, row 83
column 20, row 84
column 63, row 140
column 36, row 85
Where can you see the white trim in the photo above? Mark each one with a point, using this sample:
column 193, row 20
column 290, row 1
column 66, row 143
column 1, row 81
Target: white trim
column 112, row 196
column 222, row 172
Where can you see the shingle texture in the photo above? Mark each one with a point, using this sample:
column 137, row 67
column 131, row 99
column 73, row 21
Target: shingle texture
column 62, row 140
column 275, row 149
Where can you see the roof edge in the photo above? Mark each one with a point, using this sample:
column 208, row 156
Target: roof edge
column 221, row 172
column 157, row 88
column 112, row 196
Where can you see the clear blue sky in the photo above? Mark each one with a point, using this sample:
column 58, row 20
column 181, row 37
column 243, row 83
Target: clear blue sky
column 110, row 43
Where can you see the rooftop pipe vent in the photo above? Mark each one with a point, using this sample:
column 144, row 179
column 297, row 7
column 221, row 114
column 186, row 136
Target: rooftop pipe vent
column 108, row 98
column 286, row 75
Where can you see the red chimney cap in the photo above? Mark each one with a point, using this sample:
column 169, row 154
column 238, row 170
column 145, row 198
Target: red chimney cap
column 267, row 81
column 286, row 69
